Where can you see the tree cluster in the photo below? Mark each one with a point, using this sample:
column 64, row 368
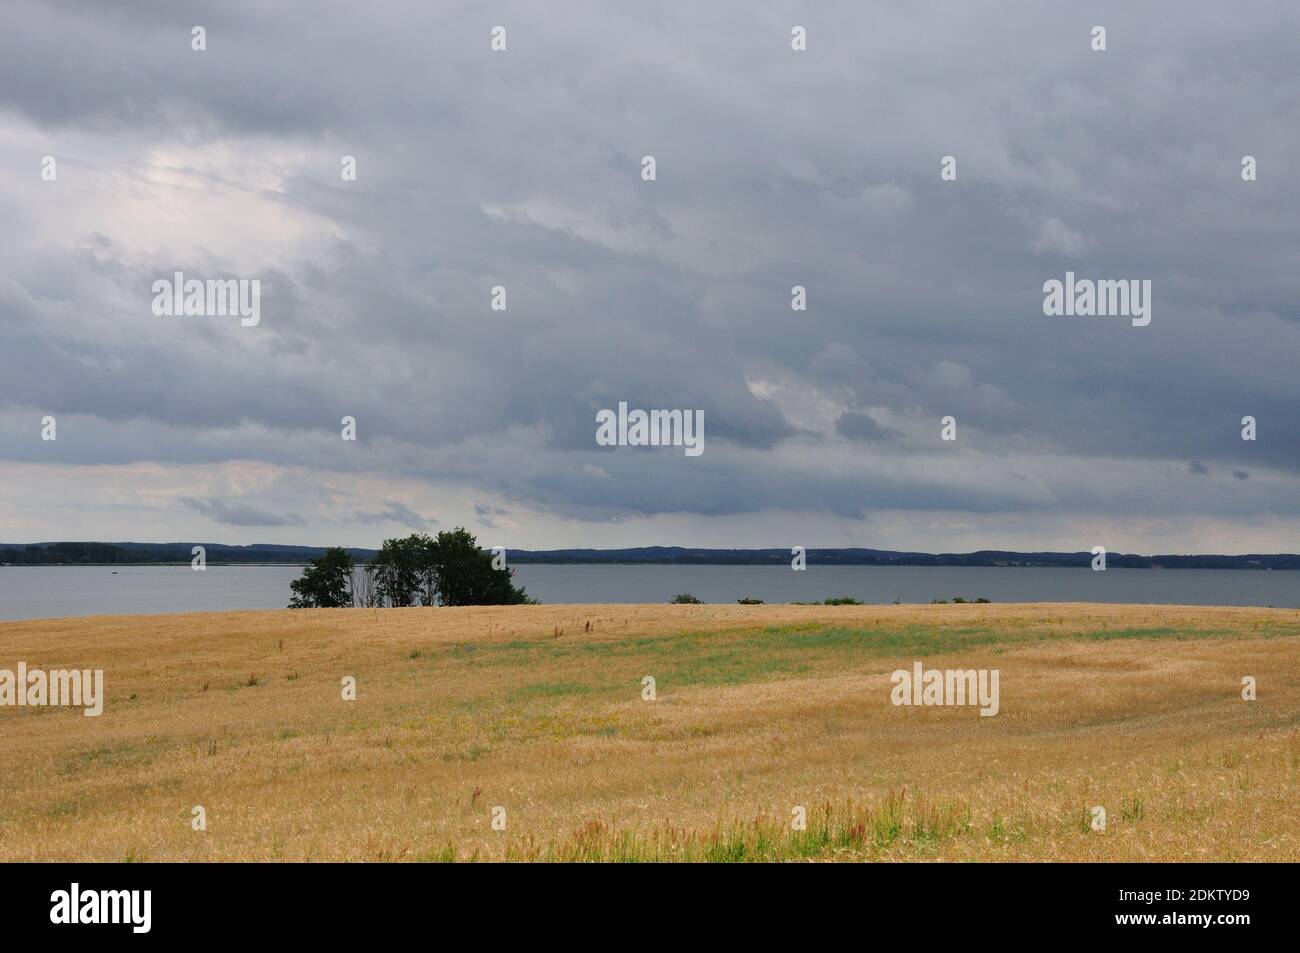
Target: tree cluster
column 417, row 570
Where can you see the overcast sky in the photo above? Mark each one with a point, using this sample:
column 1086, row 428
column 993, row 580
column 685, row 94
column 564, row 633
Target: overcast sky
column 775, row 168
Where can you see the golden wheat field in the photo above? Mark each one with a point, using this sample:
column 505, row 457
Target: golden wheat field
column 538, row 710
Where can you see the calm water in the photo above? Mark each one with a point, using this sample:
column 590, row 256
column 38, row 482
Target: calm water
column 32, row 592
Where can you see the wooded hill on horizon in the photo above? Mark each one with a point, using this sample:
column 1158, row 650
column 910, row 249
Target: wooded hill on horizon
column 101, row 553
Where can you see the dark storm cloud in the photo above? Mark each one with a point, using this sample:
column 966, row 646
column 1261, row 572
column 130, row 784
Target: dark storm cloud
column 521, row 169
column 864, row 427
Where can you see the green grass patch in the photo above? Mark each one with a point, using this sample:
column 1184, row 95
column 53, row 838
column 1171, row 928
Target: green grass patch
column 739, row 656
column 555, row 690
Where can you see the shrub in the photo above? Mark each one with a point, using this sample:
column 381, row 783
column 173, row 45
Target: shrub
column 684, row 599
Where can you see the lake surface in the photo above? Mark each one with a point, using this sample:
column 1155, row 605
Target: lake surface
column 34, row 592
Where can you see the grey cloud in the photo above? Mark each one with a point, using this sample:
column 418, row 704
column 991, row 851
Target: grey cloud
column 864, row 427
column 924, row 296
column 486, row 513
column 395, row 512
column 239, row 514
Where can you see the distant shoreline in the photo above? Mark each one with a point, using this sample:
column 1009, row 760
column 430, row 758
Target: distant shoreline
column 265, row 554
column 1113, row 563
column 293, row 564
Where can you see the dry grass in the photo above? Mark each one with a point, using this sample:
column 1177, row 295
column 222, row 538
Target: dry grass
column 759, row 709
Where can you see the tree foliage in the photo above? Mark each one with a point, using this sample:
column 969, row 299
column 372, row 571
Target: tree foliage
column 403, row 571
column 326, row 583
column 448, row 570
column 463, row 574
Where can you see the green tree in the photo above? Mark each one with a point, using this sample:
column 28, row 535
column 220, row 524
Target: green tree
column 464, row 575
column 326, row 583
column 414, row 570
column 404, row 573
